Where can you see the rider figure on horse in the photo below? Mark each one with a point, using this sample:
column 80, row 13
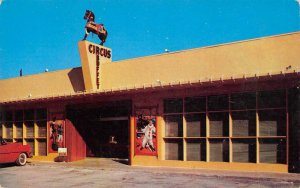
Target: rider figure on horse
column 91, row 26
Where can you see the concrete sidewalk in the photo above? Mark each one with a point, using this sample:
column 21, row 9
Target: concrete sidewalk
column 121, row 165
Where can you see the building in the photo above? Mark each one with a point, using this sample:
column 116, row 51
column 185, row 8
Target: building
column 232, row 106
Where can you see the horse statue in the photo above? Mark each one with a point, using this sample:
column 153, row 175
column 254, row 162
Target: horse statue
column 91, row 26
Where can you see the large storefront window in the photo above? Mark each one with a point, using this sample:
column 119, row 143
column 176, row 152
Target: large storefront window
column 27, row 126
column 239, row 127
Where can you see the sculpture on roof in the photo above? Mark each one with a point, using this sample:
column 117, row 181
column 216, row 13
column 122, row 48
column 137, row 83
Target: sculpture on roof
column 91, row 26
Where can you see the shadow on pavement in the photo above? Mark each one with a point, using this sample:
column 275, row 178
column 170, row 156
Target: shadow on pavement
column 7, row 165
column 122, row 161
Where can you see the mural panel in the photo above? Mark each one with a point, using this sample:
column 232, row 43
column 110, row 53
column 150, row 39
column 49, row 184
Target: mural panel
column 146, row 131
column 56, row 132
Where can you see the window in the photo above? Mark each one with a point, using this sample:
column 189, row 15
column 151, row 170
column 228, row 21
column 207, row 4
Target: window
column 174, row 149
column 195, row 104
column 28, row 114
column 219, row 124
column 272, row 123
column 29, row 126
column 218, row 103
column 219, row 150
column 244, row 150
column 41, row 114
column 173, row 106
column 196, row 150
column 271, row 99
column 245, row 127
column 243, row 123
column 8, row 116
column 195, row 125
column 173, row 126
column 243, row 101
column 19, row 115
column 19, row 129
column 272, row 150
column 41, row 129
column 8, row 126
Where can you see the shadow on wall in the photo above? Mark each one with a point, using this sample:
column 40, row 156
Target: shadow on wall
column 294, row 130
column 76, row 79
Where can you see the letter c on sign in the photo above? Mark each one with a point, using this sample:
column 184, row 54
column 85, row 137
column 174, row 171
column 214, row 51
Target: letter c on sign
column 101, row 51
column 91, row 48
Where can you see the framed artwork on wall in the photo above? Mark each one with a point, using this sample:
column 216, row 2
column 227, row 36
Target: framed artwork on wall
column 56, row 132
column 145, row 126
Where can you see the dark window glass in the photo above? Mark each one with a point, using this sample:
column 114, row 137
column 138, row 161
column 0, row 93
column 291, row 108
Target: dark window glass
column 173, row 126
column 8, row 116
column 219, row 150
column 218, row 124
column 243, row 123
column 29, row 114
column 243, row 101
column 173, row 106
column 196, row 150
column 244, row 150
column 42, row 128
column 19, row 129
column 218, row 103
column 272, row 150
column 42, row 145
column 272, row 123
column 41, row 113
column 271, row 99
column 9, row 129
column 195, row 125
column 19, row 115
column 174, row 149
column 29, row 129
column 195, row 104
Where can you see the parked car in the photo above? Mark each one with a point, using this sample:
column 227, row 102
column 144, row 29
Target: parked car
column 14, row 153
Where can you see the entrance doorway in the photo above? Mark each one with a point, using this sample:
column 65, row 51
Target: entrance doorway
column 104, row 128
column 108, row 139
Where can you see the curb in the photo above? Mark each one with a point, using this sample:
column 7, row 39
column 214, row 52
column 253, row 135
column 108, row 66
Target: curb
column 265, row 176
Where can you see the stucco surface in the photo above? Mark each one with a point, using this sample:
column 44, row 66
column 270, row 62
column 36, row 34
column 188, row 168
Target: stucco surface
column 257, row 57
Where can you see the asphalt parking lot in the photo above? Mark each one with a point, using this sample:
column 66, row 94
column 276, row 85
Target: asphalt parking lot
column 115, row 173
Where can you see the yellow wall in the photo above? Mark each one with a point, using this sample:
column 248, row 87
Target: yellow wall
column 259, row 56
column 42, row 85
column 154, row 161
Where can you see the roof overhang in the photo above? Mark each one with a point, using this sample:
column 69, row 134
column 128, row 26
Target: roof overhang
column 282, row 80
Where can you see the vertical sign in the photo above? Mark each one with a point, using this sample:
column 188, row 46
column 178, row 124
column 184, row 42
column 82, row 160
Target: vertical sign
column 92, row 56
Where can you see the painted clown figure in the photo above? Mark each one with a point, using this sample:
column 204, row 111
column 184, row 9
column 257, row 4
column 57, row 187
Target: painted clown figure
column 149, row 130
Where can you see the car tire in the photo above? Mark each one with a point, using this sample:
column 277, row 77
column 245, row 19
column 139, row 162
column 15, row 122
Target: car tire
column 22, row 159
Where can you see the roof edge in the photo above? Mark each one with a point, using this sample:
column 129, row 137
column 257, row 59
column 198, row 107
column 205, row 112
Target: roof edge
column 244, row 77
column 40, row 73
column 213, row 46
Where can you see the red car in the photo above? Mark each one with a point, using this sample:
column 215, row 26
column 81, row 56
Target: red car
column 14, row 153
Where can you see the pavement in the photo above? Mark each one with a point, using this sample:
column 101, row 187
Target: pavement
column 121, row 165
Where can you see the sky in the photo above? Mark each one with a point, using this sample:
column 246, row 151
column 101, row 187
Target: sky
column 36, row 35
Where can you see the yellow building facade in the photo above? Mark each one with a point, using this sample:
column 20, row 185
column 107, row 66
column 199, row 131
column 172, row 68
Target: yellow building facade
column 231, row 106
